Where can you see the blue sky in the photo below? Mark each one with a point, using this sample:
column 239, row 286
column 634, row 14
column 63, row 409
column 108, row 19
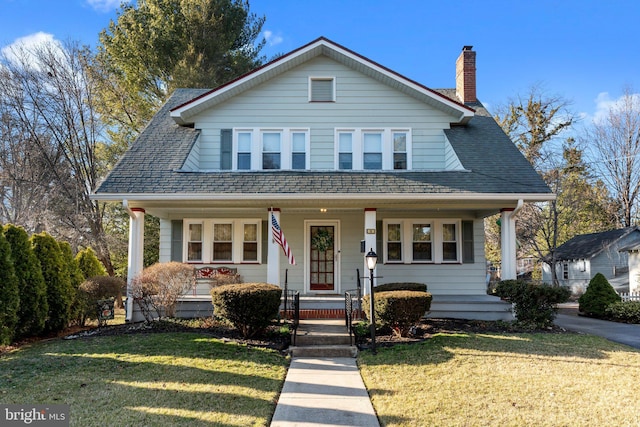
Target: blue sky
column 585, row 51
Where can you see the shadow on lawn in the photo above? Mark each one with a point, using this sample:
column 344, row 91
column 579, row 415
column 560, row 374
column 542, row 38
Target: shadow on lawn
column 155, row 379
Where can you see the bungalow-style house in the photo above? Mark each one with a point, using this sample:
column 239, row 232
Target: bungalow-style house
column 337, row 150
column 584, row 256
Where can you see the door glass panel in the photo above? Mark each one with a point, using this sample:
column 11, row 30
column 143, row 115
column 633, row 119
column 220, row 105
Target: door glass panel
column 322, row 274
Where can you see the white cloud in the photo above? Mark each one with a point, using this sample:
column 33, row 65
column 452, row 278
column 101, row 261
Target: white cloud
column 27, row 43
column 104, row 5
column 272, row 39
column 605, row 104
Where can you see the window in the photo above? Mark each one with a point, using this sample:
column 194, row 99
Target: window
column 271, row 150
column 222, row 242
column 298, row 150
column 372, row 155
column 394, row 242
column 565, row 271
column 345, row 151
column 250, row 243
column 227, row 241
column 244, row 151
column 399, row 150
column 372, row 149
column 322, row 89
column 435, row 241
column 422, row 242
column 194, row 242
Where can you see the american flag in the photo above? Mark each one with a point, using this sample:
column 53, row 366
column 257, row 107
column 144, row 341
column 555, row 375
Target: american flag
column 278, row 236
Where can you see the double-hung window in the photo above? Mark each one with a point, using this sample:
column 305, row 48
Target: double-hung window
column 244, row 150
column 373, row 149
column 298, row 150
column 409, row 241
column 222, row 241
column 271, row 150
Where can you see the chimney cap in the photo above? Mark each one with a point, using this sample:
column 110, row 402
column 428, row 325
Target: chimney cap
column 467, row 48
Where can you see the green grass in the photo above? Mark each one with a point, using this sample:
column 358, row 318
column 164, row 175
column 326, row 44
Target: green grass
column 147, row 380
column 505, row 380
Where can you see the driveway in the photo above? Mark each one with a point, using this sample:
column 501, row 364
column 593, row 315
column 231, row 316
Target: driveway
column 623, row 333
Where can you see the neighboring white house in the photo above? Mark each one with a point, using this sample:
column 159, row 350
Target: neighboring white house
column 341, row 150
column 582, row 257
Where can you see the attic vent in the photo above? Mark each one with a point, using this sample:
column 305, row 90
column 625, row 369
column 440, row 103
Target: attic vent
column 322, row 89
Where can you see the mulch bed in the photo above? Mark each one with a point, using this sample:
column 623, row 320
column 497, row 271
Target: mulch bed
column 273, row 339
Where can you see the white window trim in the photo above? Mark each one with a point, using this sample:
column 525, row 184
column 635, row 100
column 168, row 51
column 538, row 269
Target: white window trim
column 286, row 147
column 326, row 78
column 357, row 146
column 207, row 239
column 406, row 228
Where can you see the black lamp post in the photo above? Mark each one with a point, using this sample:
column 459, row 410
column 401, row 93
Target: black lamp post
column 372, row 260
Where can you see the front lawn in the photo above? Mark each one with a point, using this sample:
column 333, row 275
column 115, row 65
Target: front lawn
column 494, row 379
column 158, row 379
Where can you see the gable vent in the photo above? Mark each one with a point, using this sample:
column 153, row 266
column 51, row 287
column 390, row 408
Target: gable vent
column 322, row 90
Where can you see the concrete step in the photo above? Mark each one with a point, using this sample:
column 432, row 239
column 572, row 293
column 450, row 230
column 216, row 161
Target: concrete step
column 310, row 340
column 324, row 351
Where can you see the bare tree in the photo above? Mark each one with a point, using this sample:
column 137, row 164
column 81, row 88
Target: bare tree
column 615, row 148
column 47, row 100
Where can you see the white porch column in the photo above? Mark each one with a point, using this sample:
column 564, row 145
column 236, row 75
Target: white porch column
column 136, row 252
column 273, row 253
column 370, row 242
column 508, row 242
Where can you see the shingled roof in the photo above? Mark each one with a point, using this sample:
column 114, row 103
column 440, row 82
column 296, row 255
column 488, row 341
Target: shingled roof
column 586, row 246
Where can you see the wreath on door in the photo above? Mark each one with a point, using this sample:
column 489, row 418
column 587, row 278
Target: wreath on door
column 322, row 240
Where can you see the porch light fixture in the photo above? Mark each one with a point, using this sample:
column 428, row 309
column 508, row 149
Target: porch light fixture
column 372, row 260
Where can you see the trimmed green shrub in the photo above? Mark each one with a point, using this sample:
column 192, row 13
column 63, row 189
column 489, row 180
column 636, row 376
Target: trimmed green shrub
column 60, row 293
column 71, row 268
column 33, row 309
column 93, row 290
column 401, row 286
column 534, row 305
column 89, row 264
column 9, row 294
column 249, row 307
column 399, row 310
column 159, row 286
column 627, row 312
column 597, row 297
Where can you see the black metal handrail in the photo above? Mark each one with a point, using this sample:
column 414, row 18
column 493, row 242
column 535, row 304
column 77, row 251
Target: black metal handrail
column 353, row 305
column 291, row 310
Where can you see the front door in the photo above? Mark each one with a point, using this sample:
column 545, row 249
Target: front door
column 322, row 255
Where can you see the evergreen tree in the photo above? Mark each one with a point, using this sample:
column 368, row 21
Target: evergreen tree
column 56, row 276
column 9, row 294
column 89, row 264
column 33, row 290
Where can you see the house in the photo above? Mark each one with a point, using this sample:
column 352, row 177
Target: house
column 338, row 150
column 584, row 256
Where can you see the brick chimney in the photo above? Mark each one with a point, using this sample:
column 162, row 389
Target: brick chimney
column 466, row 75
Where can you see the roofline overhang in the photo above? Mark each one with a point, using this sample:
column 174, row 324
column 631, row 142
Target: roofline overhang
column 140, row 197
column 184, row 113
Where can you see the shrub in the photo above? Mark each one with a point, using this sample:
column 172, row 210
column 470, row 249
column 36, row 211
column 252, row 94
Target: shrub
column 9, row 294
column 628, row 312
column 399, row 310
column 60, row 293
column 159, row 286
column 402, row 286
column 93, row 290
column 249, row 307
column 89, row 264
column 597, row 297
column 533, row 304
column 33, row 309
column 71, row 268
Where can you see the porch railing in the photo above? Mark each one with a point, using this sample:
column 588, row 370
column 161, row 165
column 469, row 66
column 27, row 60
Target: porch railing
column 630, row 296
column 291, row 312
column 353, row 305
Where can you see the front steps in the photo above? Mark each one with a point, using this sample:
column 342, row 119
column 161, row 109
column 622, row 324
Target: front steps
column 323, row 338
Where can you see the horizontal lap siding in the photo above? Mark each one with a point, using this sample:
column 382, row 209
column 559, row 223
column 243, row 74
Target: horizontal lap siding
column 362, row 102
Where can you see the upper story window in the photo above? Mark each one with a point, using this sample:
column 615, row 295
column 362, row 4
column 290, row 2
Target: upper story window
column 322, row 89
column 228, row 241
column 410, row 241
column 270, row 149
column 373, row 149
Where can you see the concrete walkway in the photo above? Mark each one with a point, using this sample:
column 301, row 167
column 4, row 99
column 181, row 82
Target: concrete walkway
column 324, row 392
column 622, row 333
